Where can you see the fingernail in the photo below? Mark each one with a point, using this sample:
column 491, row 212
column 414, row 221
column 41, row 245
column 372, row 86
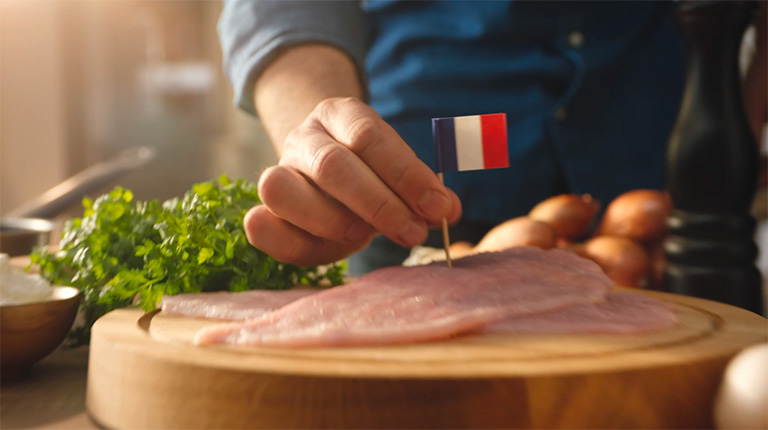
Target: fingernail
column 413, row 233
column 434, row 204
column 357, row 232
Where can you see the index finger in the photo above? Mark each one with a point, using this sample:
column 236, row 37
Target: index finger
column 357, row 126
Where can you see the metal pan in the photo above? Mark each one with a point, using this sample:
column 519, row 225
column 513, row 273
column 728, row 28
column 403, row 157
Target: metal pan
column 24, row 227
column 72, row 190
column 18, row 236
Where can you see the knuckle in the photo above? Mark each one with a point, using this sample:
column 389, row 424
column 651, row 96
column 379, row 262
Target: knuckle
column 335, row 233
column 291, row 138
column 379, row 211
column 350, row 104
column 327, row 107
column 272, row 183
column 334, row 108
column 399, row 174
column 327, row 163
column 254, row 225
column 329, row 225
column 294, row 141
column 339, row 102
column 349, row 100
column 292, row 252
column 362, row 133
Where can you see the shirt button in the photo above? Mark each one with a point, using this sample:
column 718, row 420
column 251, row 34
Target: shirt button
column 576, row 39
column 561, row 114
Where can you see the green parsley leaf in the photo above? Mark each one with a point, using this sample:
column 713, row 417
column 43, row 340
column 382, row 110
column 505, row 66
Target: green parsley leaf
column 123, row 253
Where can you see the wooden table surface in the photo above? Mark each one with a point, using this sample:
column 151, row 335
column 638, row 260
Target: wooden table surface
column 52, row 396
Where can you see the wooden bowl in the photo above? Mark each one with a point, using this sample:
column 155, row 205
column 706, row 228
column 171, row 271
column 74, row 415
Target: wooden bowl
column 31, row 331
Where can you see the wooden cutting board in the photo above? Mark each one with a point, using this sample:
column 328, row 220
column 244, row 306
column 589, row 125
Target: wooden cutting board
column 145, row 373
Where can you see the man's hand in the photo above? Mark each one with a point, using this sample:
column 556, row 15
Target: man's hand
column 343, row 175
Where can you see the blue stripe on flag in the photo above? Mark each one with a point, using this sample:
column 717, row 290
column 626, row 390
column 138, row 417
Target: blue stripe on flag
column 444, row 138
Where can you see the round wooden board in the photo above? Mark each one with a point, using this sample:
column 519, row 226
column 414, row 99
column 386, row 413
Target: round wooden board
column 145, row 373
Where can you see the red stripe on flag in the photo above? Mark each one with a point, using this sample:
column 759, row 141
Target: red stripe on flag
column 494, row 130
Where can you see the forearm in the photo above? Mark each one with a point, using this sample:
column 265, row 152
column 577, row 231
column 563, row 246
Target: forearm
column 294, row 83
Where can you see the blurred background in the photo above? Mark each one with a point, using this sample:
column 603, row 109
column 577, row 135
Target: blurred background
column 80, row 81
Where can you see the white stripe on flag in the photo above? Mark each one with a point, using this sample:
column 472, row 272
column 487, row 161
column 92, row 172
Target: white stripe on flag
column 469, row 142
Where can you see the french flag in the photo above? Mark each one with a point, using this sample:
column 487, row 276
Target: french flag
column 470, row 142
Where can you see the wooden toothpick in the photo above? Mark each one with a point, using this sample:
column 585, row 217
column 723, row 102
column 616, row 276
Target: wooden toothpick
column 446, row 239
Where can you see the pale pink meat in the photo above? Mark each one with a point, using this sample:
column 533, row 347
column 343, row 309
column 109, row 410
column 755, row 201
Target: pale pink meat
column 620, row 313
column 414, row 304
column 231, row 306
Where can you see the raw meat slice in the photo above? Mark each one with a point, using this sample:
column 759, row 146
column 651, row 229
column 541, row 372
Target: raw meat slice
column 231, row 306
column 624, row 312
column 412, row 304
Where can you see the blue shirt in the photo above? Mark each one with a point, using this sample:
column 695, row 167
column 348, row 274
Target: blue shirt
column 590, row 89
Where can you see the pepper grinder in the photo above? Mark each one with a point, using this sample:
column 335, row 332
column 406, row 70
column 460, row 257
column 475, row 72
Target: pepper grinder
column 712, row 163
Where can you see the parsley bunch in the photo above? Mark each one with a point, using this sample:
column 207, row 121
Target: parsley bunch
column 124, row 254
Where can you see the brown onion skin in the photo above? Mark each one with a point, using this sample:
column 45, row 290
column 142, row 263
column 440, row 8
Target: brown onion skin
column 623, row 260
column 563, row 243
column 571, row 215
column 461, row 249
column 640, row 215
column 520, row 231
column 658, row 264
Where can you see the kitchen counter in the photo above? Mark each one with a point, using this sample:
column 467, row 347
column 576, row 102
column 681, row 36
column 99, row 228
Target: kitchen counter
column 51, row 396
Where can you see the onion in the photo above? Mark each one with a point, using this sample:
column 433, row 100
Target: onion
column 520, row 231
column 640, row 215
column 570, row 214
column 461, row 249
column 623, row 260
column 658, row 264
column 563, row 243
